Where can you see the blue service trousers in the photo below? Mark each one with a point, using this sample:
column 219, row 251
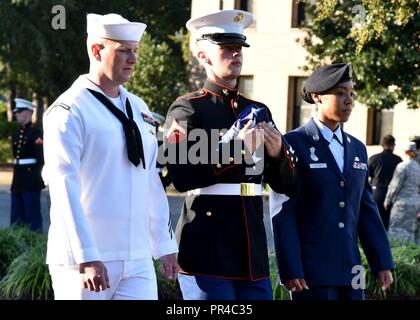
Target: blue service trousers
column 197, row 287
column 26, row 209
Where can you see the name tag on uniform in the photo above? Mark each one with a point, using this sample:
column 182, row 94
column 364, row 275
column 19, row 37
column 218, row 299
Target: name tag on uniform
column 317, row 165
column 360, row 166
column 148, row 119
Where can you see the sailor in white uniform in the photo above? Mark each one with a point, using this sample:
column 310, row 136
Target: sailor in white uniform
column 109, row 212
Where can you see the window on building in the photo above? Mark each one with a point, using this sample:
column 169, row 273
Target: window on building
column 380, row 123
column 300, row 15
column 246, row 86
column 246, row 5
column 299, row 111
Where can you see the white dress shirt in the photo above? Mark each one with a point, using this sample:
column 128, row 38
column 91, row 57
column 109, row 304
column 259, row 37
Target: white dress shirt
column 336, row 148
column 102, row 206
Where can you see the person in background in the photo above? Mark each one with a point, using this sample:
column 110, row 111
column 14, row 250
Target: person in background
column 416, row 140
column 28, row 160
column 381, row 168
column 404, row 196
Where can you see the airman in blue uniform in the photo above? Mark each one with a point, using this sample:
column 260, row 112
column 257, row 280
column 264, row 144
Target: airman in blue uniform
column 317, row 229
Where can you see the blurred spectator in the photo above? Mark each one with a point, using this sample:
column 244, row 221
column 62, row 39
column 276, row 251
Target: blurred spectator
column 416, row 140
column 381, row 169
column 404, row 195
column 27, row 164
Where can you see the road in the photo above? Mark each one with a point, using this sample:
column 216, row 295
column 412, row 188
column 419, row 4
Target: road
column 175, row 200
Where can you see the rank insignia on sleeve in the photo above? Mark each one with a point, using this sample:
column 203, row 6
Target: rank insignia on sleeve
column 39, row 142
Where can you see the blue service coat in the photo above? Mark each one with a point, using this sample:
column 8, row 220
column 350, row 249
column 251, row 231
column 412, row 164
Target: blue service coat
column 317, row 229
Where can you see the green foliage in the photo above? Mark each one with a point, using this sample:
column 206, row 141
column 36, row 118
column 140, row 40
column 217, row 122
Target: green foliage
column 11, row 246
column 24, row 274
column 280, row 292
column 167, row 290
column 28, row 277
column 6, row 131
column 380, row 39
column 6, row 155
column 406, row 274
column 34, row 57
column 159, row 77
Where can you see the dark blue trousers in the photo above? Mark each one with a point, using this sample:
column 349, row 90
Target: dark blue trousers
column 26, row 209
column 226, row 289
column 329, row 293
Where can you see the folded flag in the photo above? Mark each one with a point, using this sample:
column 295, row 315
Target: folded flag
column 252, row 112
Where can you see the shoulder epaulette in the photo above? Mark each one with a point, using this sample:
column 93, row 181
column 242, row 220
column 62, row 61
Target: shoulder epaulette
column 194, row 95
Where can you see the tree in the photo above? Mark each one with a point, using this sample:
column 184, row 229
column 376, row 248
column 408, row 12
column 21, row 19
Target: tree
column 380, row 39
column 36, row 58
column 158, row 78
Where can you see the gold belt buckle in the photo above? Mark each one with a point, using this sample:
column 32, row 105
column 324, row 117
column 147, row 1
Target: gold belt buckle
column 247, row 189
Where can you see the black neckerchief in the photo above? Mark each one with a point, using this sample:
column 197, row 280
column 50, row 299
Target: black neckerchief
column 133, row 140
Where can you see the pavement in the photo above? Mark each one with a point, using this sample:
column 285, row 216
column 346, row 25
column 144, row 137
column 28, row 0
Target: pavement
column 175, row 200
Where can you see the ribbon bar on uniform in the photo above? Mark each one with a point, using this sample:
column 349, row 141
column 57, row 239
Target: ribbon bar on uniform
column 24, row 161
column 229, row 189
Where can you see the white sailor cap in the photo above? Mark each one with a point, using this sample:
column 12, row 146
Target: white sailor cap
column 221, row 27
column 113, row 26
column 22, row 104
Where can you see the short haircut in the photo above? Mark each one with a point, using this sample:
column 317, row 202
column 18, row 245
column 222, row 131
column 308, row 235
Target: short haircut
column 388, row 140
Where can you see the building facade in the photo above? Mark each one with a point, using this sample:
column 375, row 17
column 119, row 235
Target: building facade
column 272, row 73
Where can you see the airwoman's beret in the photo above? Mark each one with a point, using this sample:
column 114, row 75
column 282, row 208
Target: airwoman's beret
column 326, row 78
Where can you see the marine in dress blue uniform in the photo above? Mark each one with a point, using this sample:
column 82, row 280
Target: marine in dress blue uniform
column 222, row 240
column 316, row 230
column 27, row 165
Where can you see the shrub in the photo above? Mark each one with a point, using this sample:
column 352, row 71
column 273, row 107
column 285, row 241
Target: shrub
column 167, row 290
column 6, row 131
column 406, row 274
column 28, row 277
column 280, row 292
column 11, row 246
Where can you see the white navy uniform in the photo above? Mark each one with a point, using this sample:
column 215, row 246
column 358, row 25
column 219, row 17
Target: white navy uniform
column 102, row 206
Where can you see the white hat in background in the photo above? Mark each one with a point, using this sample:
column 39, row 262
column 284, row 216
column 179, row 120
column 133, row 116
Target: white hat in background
column 113, row 26
column 222, row 27
column 410, row 146
column 22, row 104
